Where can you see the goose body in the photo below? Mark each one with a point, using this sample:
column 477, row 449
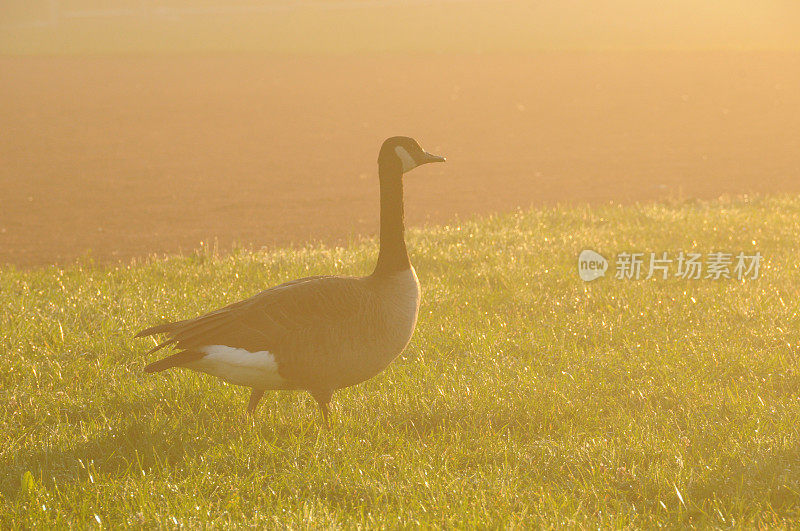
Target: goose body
column 317, row 334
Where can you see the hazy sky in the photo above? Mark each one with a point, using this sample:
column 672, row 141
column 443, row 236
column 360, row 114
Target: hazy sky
column 669, row 23
column 396, row 26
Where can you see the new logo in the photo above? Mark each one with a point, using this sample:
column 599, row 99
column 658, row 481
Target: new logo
column 591, row 265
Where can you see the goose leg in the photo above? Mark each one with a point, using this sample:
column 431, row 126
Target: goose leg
column 323, row 398
column 255, row 396
column 325, row 415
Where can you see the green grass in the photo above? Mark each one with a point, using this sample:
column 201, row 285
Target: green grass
column 525, row 397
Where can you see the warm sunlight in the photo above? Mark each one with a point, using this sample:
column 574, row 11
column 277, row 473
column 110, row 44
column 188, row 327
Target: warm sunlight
column 399, row 263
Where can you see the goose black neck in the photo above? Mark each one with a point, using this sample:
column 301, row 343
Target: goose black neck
column 393, row 256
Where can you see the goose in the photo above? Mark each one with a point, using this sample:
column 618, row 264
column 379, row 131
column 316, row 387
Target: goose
column 316, row 334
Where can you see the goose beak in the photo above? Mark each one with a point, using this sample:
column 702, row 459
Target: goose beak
column 433, row 158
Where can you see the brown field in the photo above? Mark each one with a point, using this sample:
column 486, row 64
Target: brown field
column 122, row 156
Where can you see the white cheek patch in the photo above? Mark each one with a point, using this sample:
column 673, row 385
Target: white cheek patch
column 408, row 161
column 239, row 366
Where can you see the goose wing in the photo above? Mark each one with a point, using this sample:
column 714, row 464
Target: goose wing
column 301, row 323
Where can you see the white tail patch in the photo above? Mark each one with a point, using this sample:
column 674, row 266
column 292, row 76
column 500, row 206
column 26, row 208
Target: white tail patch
column 408, row 161
column 239, row 366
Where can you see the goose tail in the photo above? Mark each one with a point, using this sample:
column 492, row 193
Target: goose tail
column 176, row 360
column 158, row 329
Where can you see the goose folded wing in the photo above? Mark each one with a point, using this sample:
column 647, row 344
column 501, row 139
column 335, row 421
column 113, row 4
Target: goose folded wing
column 306, row 310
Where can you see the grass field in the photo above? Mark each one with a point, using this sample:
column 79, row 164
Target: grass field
column 526, row 395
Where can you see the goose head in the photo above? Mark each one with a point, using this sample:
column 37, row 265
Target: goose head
column 402, row 154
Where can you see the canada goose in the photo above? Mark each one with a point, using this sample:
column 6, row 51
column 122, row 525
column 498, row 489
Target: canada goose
column 320, row 333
